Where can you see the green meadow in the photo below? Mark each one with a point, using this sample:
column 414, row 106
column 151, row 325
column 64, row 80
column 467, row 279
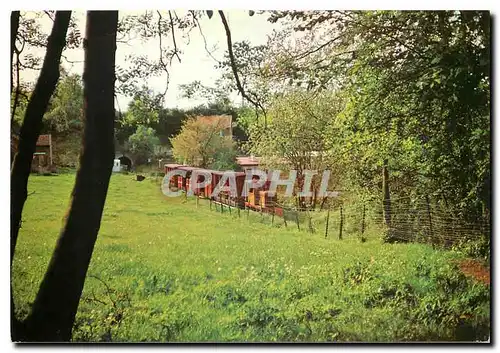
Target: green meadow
column 172, row 270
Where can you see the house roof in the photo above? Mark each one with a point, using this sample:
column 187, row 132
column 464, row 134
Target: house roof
column 173, row 165
column 187, row 168
column 44, row 140
column 224, row 120
column 247, row 161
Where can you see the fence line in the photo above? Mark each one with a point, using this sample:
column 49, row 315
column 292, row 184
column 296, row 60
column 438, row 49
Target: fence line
column 410, row 221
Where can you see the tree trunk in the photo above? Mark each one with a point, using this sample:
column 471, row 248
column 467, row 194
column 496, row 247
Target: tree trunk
column 30, row 130
column 56, row 304
column 315, row 198
column 301, row 200
column 32, row 123
column 14, row 26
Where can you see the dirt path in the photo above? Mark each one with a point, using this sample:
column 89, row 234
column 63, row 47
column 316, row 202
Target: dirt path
column 475, row 269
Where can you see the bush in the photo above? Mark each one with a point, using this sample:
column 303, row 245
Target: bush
column 477, row 248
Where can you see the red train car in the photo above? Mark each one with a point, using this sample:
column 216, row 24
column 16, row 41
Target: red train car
column 224, row 194
column 216, row 176
column 184, row 182
column 200, row 178
column 168, row 168
column 257, row 197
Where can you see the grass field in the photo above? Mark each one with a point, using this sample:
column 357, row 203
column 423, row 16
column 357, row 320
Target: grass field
column 165, row 269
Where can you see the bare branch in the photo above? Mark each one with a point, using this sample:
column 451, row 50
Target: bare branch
column 124, row 42
column 204, row 40
column 309, row 52
column 71, row 61
column 49, row 15
column 162, row 63
column 234, row 68
column 173, row 37
column 95, row 299
column 122, row 38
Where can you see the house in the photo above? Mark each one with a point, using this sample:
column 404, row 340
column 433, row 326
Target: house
column 247, row 162
column 42, row 158
column 224, row 121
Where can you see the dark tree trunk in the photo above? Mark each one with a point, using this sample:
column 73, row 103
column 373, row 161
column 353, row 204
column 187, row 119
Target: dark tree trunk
column 301, row 200
column 28, row 135
column 14, row 26
column 56, row 304
column 32, row 123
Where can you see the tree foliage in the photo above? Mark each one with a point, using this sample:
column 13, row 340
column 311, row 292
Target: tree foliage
column 297, row 135
column 65, row 113
column 142, row 143
column 200, row 142
column 417, row 85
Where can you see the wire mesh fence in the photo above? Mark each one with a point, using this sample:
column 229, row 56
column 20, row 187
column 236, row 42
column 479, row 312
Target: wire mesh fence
column 403, row 220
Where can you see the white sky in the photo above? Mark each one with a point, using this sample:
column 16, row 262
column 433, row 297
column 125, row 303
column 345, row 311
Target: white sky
column 196, row 63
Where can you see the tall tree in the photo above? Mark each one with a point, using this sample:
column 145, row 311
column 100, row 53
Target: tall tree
column 200, row 140
column 234, row 67
column 419, row 87
column 297, row 136
column 32, row 123
column 65, row 114
column 14, row 25
column 142, row 144
column 53, row 312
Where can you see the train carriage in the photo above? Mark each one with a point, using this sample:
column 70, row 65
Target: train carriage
column 257, row 197
column 184, row 182
column 168, row 168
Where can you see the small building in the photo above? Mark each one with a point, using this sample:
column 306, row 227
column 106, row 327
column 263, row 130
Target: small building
column 224, row 121
column 117, row 165
column 42, row 158
column 247, row 162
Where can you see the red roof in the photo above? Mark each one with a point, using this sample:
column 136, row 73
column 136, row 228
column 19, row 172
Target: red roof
column 247, row 161
column 43, row 140
column 173, row 166
column 224, row 121
column 187, row 168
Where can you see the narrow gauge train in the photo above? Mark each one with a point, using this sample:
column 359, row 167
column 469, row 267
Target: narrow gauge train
column 257, row 198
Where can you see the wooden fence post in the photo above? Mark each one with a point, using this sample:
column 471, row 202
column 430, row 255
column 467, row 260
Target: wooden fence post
column 363, row 220
column 272, row 218
column 429, row 215
column 327, row 220
column 297, row 219
column 341, row 223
